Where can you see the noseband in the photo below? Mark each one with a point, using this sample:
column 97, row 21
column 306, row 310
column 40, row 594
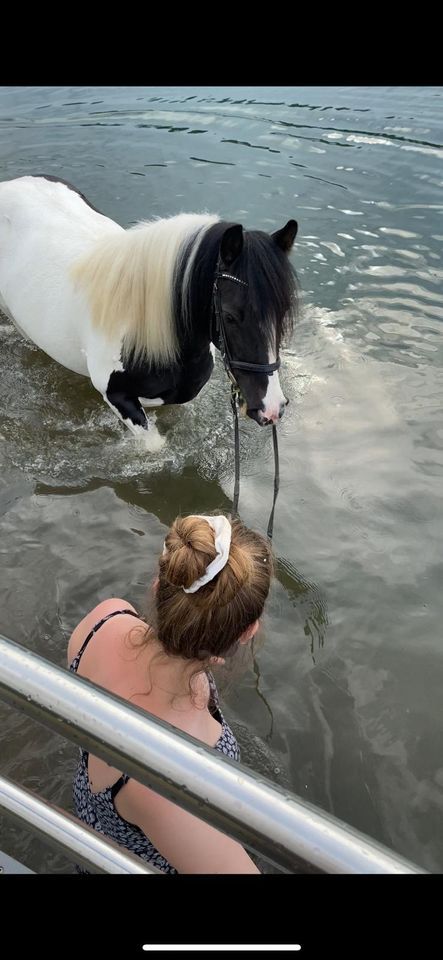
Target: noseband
column 219, row 338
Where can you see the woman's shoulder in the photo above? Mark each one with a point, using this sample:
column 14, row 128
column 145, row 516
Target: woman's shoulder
column 106, row 607
column 98, row 613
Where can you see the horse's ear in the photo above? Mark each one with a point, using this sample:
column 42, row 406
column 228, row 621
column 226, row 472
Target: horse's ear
column 231, row 244
column 285, row 237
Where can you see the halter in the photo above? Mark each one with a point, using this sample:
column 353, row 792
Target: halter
column 219, row 338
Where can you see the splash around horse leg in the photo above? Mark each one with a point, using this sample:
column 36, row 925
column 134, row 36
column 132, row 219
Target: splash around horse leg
column 131, row 413
column 149, row 438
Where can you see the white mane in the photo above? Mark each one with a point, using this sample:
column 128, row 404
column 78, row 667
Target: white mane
column 129, row 281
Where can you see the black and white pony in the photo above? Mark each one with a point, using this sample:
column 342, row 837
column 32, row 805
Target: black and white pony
column 138, row 310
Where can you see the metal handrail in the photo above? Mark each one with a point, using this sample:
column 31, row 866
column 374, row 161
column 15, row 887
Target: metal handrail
column 66, row 833
column 268, row 820
column 11, row 865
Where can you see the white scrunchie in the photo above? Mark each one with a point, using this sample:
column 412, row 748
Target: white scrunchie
column 223, row 531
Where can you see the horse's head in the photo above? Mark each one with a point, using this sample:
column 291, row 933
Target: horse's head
column 255, row 313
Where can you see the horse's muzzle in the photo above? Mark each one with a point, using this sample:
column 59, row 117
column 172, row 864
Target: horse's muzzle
column 262, row 420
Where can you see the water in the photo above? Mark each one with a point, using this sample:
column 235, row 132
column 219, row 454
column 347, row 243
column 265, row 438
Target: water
column 343, row 703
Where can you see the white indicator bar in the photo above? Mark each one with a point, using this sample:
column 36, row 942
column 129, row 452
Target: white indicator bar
column 221, row 947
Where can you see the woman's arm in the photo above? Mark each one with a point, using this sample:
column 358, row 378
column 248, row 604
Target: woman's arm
column 189, row 844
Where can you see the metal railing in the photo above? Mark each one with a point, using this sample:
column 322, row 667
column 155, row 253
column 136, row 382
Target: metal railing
column 10, row 865
column 265, row 818
column 67, row 834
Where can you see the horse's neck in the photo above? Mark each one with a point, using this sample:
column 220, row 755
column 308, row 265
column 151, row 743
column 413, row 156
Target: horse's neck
column 194, row 341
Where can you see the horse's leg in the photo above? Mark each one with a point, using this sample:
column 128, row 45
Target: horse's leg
column 130, row 411
column 115, row 388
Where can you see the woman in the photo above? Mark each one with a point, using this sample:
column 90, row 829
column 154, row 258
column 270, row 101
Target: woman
column 212, row 584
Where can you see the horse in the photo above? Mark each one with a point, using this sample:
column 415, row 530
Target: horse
column 140, row 310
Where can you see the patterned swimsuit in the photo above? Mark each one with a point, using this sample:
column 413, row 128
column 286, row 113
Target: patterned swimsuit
column 98, row 809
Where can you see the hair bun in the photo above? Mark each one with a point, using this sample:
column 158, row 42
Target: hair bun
column 190, row 547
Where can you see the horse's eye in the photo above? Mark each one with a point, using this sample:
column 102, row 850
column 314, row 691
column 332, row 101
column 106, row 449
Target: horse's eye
column 229, row 318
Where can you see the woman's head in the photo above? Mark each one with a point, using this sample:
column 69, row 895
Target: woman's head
column 200, row 622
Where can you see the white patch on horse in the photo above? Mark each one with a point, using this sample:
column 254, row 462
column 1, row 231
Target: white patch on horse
column 103, row 359
column 45, row 227
column 155, row 402
column 274, row 396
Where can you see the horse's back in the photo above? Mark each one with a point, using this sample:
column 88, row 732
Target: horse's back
column 45, row 226
column 39, row 203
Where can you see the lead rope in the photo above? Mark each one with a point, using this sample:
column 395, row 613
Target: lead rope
column 235, row 391
column 276, row 480
column 234, row 405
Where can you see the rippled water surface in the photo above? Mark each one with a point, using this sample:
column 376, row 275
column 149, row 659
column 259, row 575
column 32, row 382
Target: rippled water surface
column 343, row 703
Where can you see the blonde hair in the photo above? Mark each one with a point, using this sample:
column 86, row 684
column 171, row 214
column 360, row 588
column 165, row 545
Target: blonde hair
column 129, row 281
column 197, row 626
